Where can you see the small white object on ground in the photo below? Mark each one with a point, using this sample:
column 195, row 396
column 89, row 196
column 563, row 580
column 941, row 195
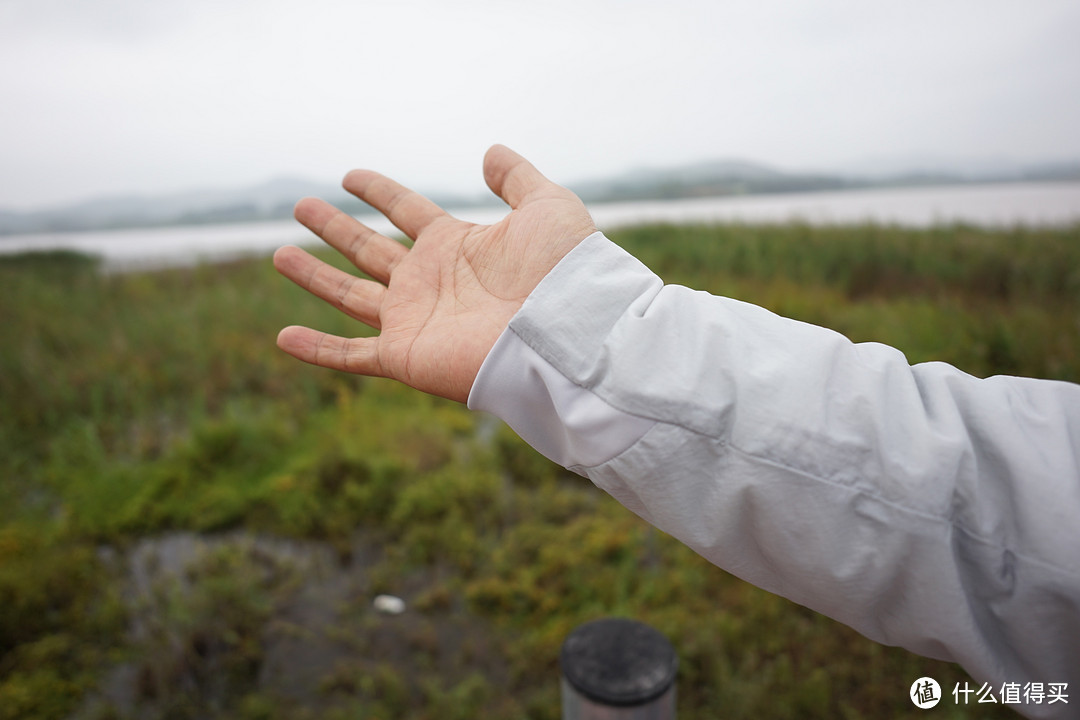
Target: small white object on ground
column 389, row 604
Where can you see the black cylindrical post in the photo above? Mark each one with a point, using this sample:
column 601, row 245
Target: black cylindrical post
column 617, row 669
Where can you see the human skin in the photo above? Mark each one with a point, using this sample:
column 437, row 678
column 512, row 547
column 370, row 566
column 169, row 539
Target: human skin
column 441, row 305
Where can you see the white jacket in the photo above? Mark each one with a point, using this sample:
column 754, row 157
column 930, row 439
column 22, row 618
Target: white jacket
column 919, row 505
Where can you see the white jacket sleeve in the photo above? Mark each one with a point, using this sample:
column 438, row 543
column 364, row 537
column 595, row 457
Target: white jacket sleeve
column 919, row 505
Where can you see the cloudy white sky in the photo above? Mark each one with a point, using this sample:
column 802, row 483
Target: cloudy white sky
column 134, row 96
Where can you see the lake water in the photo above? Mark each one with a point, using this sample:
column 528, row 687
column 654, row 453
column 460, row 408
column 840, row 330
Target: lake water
column 992, row 205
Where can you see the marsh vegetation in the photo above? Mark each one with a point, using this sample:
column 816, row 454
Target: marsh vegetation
column 193, row 524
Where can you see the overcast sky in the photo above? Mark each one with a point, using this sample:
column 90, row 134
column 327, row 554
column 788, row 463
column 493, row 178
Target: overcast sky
column 134, row 96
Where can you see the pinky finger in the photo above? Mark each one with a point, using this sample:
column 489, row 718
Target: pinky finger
column 354, row 355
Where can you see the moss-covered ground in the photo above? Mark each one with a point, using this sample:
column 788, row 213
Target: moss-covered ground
column 193, row 524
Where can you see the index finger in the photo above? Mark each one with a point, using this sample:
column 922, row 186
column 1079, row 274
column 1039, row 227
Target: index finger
column 410, row 211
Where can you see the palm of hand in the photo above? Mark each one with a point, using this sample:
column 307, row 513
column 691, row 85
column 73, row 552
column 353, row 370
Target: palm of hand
column 440, row 305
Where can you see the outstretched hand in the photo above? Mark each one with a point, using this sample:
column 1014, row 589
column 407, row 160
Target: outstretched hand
column 439, row 306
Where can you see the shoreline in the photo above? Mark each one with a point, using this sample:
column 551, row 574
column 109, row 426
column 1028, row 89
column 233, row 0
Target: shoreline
column 1033, row 204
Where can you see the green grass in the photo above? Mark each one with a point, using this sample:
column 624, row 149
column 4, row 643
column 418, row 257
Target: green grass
column 142, row 407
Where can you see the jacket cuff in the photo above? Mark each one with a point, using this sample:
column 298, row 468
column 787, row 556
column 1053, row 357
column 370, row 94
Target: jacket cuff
column 562, row 419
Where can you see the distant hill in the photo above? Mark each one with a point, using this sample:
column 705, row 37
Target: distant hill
column 707, row 179
column 275, row 199
column 269, row 200
column 737, row 177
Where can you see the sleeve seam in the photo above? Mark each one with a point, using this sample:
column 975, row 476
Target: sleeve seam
column 948, row 522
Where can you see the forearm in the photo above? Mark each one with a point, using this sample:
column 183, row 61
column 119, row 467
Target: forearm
column 921, row 506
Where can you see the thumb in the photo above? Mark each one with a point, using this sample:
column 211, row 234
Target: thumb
column 510, row 176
